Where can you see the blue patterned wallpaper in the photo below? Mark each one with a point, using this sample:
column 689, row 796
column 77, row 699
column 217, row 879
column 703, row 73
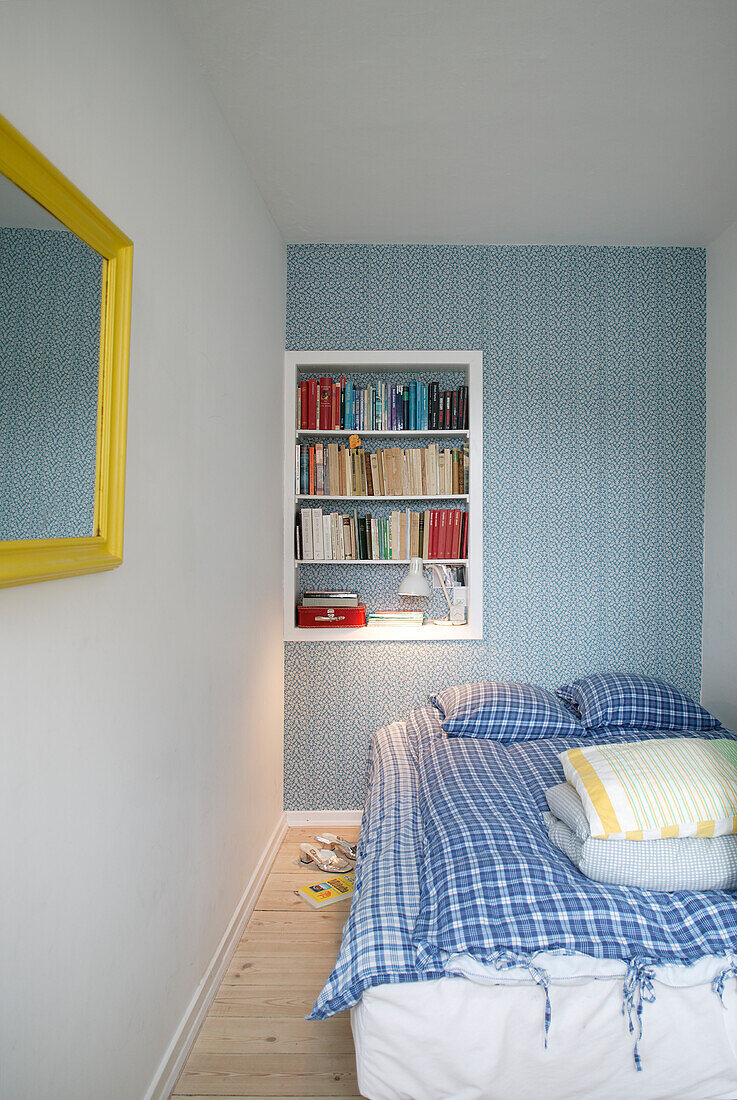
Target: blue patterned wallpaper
column 594, row 452
column 50, row 298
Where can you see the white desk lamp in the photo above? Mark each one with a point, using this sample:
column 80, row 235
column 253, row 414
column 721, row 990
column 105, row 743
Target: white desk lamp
column 415, row 583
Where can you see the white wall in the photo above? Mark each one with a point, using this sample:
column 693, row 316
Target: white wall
column 141, row 710
column 719, row 676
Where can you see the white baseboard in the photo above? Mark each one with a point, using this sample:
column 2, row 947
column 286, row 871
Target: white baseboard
column 324, row 817
column 166, row 1075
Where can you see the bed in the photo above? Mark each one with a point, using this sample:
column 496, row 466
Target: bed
column 478, row 963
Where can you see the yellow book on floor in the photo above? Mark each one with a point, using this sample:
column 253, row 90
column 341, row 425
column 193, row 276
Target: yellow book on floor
column 327, row 890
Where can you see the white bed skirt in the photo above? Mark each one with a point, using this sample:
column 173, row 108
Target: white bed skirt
column 458, row 1038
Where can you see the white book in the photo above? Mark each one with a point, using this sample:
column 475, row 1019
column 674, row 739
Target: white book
column 306, row 520
column 341, row 543
column 333, row 536
column 374, row 539
column 327, row 542
column 431, row 470
column 317, row 535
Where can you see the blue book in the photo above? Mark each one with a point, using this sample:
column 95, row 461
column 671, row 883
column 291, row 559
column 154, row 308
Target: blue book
column 412, row 422
column 349, row 404
column 304, row 469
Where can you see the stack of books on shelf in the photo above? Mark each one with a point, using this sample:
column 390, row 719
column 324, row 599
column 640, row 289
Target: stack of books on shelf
column 436, row 534
column 395, row 618
column 328, row 404
column 327, row 469
column 329, row 598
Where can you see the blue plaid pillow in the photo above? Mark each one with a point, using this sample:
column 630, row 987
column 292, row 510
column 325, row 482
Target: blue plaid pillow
column 631, row 699
column 504, row 712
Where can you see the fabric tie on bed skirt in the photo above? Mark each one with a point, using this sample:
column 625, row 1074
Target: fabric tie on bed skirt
column 729, row 971
column 637, row 991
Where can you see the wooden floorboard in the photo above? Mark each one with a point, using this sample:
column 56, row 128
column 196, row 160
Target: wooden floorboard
column 255, row 1042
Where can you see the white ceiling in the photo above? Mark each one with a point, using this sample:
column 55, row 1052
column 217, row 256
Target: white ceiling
column 490, row 121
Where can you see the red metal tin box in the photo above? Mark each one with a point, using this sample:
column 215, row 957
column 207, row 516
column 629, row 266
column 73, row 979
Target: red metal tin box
column 331, row 616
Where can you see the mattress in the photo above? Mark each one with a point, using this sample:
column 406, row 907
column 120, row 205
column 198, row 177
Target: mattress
column 457, row 1038
column 478, row 963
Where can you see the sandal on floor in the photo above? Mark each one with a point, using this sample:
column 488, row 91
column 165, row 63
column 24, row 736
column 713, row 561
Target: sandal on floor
column 338, row 844
column 324, row 859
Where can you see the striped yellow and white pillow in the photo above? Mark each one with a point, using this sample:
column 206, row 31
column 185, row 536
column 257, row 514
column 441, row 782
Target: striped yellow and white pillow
column 647, row 790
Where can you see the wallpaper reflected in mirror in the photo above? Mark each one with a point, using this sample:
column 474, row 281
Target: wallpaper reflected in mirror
column 50, row 309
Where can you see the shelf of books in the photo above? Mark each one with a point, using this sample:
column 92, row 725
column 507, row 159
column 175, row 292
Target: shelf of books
column 383, row 455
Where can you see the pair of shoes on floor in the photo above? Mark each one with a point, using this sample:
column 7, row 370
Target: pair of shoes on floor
column 334, row 854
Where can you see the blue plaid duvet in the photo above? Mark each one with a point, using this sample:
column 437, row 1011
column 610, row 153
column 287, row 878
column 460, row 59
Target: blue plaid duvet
column 454, row 858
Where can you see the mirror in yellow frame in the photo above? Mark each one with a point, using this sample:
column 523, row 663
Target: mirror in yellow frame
column 65, row 300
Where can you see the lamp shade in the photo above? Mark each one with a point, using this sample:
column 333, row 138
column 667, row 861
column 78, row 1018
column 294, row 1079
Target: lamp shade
column 415, row 582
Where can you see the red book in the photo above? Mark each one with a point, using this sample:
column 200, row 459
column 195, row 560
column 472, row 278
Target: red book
column 464, row 543
column 312, row 471
column 456, row 547
column 431, row 542
column 335, row 412
column 326, row 403
column 447, row 408
column 443, row 527
column 454, row 410
column 304, row 405
column 312, row 404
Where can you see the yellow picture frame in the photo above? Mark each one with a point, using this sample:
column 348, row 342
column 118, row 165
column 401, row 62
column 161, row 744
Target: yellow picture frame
column 28, row 560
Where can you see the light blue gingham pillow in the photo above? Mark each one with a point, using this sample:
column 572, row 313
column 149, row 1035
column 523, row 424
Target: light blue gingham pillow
column 607, row 699
column 682, row 863
column 504, row 712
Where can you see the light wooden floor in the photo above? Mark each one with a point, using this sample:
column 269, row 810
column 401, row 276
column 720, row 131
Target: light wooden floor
column 254, row 1042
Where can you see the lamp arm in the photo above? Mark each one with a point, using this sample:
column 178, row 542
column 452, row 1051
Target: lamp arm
column 439, row 575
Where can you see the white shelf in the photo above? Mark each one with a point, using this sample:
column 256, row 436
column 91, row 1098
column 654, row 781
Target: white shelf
column 405, row 496
column 426, row 365
column 377, row 561
column 431, row 632
column 341, row 433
